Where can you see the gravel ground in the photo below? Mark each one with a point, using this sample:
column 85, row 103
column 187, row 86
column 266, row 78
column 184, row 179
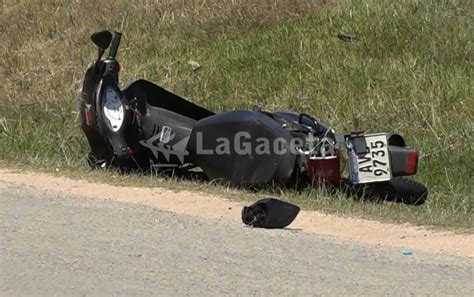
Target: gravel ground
column 51, row 244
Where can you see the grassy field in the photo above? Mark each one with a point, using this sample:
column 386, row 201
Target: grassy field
column 411, row 71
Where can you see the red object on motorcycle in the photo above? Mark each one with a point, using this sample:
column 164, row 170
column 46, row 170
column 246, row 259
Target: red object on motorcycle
column 412, row 163
column 324, row 169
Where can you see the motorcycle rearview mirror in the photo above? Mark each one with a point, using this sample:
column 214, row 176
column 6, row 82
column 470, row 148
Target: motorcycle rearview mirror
column 115, row 45
column 102, row 39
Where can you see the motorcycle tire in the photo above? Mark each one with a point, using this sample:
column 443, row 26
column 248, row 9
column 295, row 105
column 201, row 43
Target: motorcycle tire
column 400, row 189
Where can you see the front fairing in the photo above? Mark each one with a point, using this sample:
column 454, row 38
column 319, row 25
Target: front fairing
column 88, row 85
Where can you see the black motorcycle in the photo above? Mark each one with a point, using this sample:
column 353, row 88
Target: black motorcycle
column 145, row 127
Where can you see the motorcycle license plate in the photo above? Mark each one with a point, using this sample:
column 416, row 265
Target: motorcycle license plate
column 369, row 159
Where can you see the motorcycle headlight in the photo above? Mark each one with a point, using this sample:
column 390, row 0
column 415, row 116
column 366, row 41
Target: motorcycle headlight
column 113, row 108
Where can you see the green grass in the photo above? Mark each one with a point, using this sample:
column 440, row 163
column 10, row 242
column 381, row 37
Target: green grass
column 410, row 72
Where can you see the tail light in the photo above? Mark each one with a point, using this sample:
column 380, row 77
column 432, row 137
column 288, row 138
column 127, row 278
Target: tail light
column 412, row 163
column 324, row 169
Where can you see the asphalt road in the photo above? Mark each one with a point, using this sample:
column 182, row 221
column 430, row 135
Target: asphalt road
column 53, row 244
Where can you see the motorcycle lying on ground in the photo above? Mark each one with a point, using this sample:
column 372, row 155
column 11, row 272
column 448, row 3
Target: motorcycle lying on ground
column 145, row 127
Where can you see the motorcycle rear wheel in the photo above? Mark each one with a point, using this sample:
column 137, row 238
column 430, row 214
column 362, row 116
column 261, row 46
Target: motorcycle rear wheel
column 399, row 189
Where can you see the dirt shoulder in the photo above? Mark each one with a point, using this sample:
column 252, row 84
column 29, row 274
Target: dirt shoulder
column 214, row 207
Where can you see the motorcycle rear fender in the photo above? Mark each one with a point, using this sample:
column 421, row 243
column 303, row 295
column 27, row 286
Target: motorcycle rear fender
column 401, row 157
column 396, row 140
column 399, row 160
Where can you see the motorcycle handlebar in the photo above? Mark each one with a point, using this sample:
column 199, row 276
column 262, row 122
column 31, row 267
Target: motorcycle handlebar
column 115, row 45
